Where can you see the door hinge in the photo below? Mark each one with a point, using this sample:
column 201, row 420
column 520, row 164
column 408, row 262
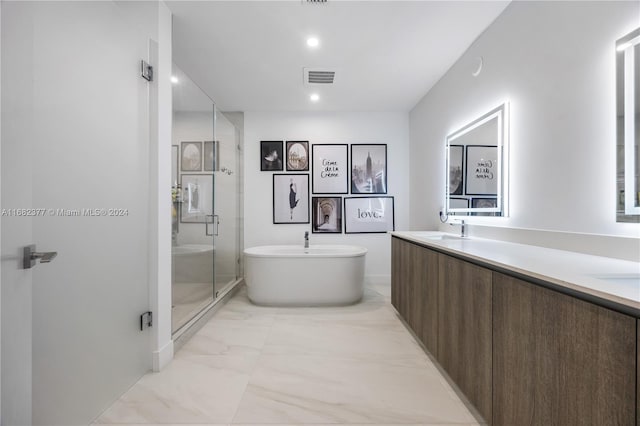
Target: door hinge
column 146, row 320
column 146, row 70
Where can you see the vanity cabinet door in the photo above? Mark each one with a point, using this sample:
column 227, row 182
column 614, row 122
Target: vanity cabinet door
column 464, row 329
column 424, row 306
column 414, row 289
column 559, row 360
column 398, row 276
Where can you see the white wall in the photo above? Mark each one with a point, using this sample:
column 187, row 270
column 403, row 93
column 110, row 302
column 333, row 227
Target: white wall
column 554, row 62
column 391, row 128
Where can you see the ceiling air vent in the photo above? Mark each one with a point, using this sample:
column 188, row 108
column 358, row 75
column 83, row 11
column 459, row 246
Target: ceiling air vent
column 316, row 76
column 314, row 1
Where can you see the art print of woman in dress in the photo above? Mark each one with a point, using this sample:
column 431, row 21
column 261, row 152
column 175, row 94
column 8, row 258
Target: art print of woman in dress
column 293, row 191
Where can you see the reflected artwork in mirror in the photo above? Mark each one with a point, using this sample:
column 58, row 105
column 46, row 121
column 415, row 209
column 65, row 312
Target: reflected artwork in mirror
column 628, row 127
column 477, row 169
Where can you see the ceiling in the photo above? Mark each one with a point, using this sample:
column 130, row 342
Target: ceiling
column 250, row 55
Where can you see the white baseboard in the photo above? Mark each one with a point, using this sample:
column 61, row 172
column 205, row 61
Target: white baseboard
column 163, row 356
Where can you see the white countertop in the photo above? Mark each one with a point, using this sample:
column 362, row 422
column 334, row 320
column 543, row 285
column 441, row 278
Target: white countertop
column 610, row 279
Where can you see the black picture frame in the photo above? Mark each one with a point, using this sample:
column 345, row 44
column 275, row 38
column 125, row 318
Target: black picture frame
column 456, row 169
column 368, row 174
column 298, row 156
column 360, row 215
column 329, row 163
column 326, row 213
column 488, row 172
column 271, row 156
column 284, row 196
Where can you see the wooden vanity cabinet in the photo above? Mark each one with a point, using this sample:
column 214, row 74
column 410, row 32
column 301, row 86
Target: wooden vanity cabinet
column 558, row 360
column 522, row 354
column 397, row 275
column 464, row 329
column 414, row 289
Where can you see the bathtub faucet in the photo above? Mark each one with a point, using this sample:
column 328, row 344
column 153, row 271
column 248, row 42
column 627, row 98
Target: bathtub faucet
column 306, row 239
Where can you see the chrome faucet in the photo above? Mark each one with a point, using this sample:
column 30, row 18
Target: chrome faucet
column 306, row 239
column 463, row 228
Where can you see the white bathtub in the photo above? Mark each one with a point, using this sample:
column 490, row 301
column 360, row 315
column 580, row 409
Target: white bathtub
column 295, row 276
column 192, row 263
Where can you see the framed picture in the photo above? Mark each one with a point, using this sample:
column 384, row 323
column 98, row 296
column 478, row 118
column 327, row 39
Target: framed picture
column 456, row 169
column 197, row 198
column 484, row 203
column 482, row 170
column 369, row 169
column 368, row 215
column 211, row 153
column 290, row 198
column 329, row 174
column 191, row 153
column 298, row 156
column 271, row 156
column 326, row 215
column 458, row 203
column 175, row 154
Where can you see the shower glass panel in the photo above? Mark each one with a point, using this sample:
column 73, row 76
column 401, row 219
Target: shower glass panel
column 227, row 202
column 192, row 200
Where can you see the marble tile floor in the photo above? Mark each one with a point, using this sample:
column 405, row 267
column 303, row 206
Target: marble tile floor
column 187, row 300
column 250, row 365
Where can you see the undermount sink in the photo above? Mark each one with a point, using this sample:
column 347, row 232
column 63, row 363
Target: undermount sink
column 620, row 279
column 445, row 237
column 437, row 236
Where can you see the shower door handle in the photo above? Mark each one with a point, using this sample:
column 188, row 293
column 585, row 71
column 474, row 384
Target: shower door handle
column 30, row 256
column 215, row 221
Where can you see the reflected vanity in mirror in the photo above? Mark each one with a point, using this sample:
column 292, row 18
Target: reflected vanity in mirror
column 477, row 172
column 628, row 127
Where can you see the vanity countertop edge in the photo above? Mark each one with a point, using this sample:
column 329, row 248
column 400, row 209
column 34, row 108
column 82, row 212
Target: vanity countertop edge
column 580, row 275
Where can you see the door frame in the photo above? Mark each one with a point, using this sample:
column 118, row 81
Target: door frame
column 160, row 95
column 0, row 218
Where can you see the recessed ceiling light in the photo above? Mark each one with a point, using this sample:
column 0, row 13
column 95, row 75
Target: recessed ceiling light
column 174, row 79
column 313, row 42
column 314, row 97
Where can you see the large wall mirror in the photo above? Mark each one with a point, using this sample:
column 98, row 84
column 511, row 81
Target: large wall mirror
column 477, row 170
column 628, row 127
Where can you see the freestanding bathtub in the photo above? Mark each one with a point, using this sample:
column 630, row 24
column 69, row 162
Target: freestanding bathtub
column 321, row 275
column 193, row 263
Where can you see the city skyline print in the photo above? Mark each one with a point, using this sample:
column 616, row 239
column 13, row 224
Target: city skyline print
column 368, row 168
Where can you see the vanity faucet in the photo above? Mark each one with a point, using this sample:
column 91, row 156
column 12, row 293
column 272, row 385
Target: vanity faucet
column 463, row 228
column 306, row 239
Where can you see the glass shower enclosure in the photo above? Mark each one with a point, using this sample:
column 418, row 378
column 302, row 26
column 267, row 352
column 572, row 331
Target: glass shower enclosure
column 205, row 202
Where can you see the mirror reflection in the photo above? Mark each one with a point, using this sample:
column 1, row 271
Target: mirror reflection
column 628, row 127
column 476, row 169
